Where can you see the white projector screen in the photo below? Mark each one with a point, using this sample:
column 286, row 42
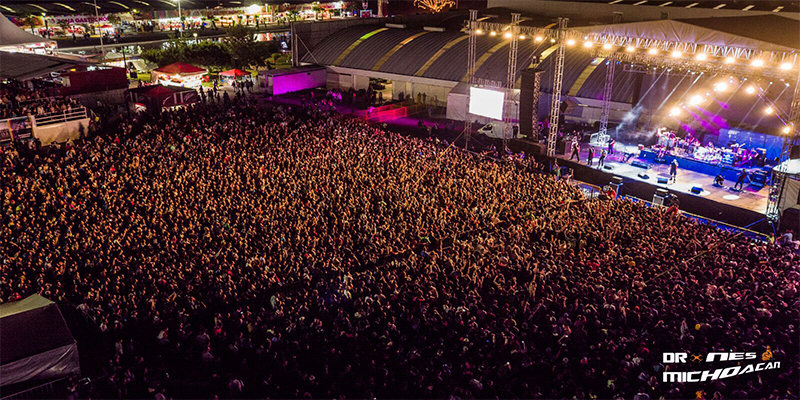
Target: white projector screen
column 486, row 103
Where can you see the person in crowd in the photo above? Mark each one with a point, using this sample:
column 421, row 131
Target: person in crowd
column 245, row 250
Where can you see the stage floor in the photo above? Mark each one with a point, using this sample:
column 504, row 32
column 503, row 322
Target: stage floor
column 751, row 198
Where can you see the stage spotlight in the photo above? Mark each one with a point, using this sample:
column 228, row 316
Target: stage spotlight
column 750, row 89
column 676, row 54
column 729, row 60
column 552, row 40
column 720, row 87
column 571, row 42
column 674, row 112
column 522, row 37
column 607, row 46
column 652, row 51
column 758, row 63
column 492, row 33
column 786, row 66
column 768, row 110
column 630, row 49
column 479, row 32
column 701, row 56
column 787, row 129
column 588, row 44
column 695, row 100
column 539, row 39
column 508, row 35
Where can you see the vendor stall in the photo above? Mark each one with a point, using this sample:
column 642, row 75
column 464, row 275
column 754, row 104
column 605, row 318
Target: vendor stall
column 178, row 74
column 232, row 75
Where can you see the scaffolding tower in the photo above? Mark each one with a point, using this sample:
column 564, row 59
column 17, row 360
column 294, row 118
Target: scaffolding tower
column 471, row 50
column 508, row 114
column 791, row 139
column 558, row 83
column 607, row 89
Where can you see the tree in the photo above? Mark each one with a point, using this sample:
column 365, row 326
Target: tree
column 318, row 10
column 434, row 5
column 32, row 21
column 244, row 50
column 211, row 55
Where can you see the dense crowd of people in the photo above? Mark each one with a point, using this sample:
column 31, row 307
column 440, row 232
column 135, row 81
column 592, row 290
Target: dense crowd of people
column 19, row 101
column 242, row 250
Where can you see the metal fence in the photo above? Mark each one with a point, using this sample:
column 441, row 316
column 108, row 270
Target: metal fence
column 72, row 114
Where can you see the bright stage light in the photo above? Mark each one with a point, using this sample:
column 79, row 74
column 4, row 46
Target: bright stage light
column 786, row 66
column 720, row 87
column 729, row 60
column 492, row 33
column 479, row 32
column 750, row 90
column 695, row 100
column 787, row 129
column 758, row 63
column 701, row 56
column 254, row 8
column 571, row 42
column 508, row 35
column 675, row 111
column 539, row 39
column 676, row 54
column 630, row 49
column 552, row 40
column 652, row 51
column 588, row 44
column 607, row 46
column 522, row 37
column 768, row 110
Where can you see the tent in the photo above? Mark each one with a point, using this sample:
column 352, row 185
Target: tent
column 37, row 344
column 178, row 74
column 157, row 97
column 24, row 66
column 234, row 73
column 13, row 37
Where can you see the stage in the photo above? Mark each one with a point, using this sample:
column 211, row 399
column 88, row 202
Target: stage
column 752, row 198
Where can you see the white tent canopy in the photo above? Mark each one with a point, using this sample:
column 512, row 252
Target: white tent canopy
column 12, row 36
column 681, row 32
column 23, row 66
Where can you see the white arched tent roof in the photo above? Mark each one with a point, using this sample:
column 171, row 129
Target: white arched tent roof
column 12, row 36
column 681, row 32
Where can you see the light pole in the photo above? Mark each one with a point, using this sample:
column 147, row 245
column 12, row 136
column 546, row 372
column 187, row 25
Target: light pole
column 96, row 21
column 180, row 21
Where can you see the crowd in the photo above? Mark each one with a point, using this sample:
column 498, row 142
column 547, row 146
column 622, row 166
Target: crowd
column 238, row 250
column 18, row 101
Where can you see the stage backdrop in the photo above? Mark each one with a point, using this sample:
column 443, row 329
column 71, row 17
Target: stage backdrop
column 753, row 140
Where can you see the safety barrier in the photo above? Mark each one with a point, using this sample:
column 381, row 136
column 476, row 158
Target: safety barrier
column 72, row 114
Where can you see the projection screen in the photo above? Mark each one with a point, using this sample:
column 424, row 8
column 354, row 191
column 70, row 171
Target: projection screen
column 486, row 103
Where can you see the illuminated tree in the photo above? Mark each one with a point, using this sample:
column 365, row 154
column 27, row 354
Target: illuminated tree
column 434, row 5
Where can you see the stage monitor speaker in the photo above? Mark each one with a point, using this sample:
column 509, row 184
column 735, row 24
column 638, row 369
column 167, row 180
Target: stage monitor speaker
column 530, row 87
column 608, row 167
column 640, row 164
column 662, row 192
column 616, row 180
column 643, row 175
column 794, row 153
column 662, row 181
column 697, row 189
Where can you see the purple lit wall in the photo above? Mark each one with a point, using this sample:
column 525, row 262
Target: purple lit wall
column 296, row 81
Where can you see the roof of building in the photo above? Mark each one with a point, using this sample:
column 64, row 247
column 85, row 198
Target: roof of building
column 22, row 66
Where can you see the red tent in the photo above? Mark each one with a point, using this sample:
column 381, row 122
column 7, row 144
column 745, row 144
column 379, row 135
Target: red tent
column 235, row 73
column 179, row 69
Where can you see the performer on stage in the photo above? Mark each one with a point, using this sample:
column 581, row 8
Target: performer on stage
column 740, row 180
column 602, row 158
column 673, row 170
column 576, row 149
column 591, row 157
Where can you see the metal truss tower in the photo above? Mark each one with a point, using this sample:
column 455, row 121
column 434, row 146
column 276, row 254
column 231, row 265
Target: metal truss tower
column 558, row 83
column 508, row 114
column 471, row 50
column 607, row 89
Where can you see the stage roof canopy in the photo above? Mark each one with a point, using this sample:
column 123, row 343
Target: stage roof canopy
column 684, row 32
